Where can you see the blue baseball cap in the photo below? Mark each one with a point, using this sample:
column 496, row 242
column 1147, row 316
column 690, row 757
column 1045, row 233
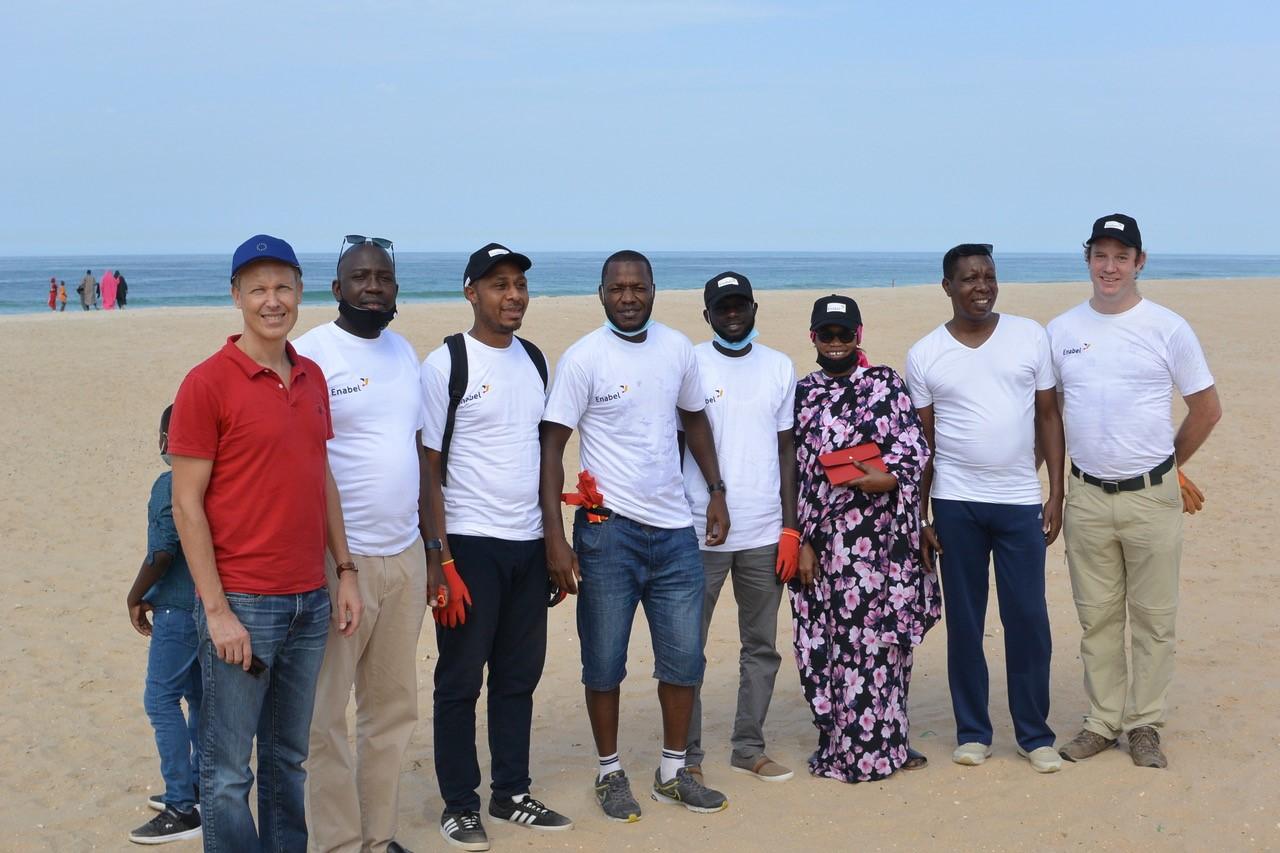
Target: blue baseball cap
column 263, row 247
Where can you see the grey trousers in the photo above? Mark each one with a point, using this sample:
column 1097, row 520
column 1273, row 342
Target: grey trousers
column 758, row 593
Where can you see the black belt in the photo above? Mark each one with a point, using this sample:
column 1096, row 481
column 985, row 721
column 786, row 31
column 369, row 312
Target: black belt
column 1133, row 484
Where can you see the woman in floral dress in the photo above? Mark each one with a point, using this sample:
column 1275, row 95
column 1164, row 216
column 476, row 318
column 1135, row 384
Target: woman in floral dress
column 863, row 600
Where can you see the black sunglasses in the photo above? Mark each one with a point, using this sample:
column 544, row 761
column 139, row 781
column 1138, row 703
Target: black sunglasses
column 352, row 240
column 845, row 335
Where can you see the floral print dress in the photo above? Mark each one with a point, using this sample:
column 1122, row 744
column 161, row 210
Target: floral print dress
column 872, row 600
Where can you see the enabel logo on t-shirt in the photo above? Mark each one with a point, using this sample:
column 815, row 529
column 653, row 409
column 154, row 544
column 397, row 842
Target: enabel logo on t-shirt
column 340, row 390
column 716, row 396
column 1066, row 351
column 475, row 395
column 613, row 395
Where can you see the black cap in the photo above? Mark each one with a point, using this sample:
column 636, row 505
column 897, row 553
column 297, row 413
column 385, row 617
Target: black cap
column 726, row 284
column 1117, row 226
column 835, row 310
column 487, row 257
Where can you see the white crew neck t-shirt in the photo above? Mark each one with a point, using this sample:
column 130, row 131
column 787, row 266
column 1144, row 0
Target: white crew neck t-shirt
column 750, row 399
column 376, row 404
column 1117, row 373
column 984, row 410
column 492, row 481
column 622, row 399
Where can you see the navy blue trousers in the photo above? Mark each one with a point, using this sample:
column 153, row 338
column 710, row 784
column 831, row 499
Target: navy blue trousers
column 505, row 633
column 970, row 533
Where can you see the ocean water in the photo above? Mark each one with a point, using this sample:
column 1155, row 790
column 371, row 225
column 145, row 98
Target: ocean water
column 187, row 280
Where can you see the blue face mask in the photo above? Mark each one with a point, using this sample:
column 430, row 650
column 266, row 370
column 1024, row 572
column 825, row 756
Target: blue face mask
column 735, row 346
column 637, row 333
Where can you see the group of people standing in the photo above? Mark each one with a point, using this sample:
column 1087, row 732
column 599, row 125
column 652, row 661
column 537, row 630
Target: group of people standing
column 109, row 294
column 327, row 493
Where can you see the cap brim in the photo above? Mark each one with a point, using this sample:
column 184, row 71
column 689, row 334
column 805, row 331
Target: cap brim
column 259, row 258
column 720, row 295
column 838, row 320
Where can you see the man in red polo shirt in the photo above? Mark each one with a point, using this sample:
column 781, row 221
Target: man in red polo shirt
column 255, row 503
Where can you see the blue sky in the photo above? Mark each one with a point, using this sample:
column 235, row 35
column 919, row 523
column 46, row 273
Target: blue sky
column 141, row 127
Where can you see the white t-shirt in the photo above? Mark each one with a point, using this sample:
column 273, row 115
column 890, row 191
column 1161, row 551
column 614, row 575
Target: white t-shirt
column 622, row 398
column 984, row 407
column 375, row 401
column 492, row 481
column 1117, row 373
column 750, row 399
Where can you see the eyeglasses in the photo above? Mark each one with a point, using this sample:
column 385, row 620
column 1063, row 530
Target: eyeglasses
column 353, row 240
column 845, row 335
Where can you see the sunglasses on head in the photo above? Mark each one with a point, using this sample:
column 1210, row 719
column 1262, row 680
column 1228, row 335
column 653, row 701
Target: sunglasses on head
column 829, row 335
column 352, row 240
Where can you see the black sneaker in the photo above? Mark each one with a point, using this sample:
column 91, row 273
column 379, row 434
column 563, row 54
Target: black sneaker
column 169, row 825
column 524, row 810
column 613, row 792
column 685, row 790
column 464, row 830
column 157, row 804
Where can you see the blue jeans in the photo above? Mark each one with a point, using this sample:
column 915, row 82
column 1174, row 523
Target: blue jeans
column 288, row 634
column 625, row 563
column 173, row 674
column 971, row 533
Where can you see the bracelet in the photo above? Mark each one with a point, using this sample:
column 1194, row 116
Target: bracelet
column 446, row 562
column 347, row 566
column 787, row 531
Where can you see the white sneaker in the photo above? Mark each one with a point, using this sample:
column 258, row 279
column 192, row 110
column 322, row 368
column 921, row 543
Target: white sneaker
column 1044, row 759
column 971, row 754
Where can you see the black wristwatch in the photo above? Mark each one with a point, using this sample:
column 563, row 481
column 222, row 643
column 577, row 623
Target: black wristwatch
column 717, row 486
column 434, row 545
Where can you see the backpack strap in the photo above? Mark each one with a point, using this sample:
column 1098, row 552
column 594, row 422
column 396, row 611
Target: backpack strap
column 535, row 355
column 457, row 389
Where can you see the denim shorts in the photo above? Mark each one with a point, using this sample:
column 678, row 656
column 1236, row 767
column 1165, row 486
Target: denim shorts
column 625, row 563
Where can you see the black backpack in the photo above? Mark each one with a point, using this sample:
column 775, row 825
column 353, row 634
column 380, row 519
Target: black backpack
column 458, row 388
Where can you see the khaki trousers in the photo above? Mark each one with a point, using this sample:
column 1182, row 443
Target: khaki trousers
column 1123, row 552
column 351, row 804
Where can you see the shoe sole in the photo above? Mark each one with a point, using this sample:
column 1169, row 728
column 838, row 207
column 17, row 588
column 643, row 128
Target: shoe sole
column 1075, row 759
column 474, row 846
column 165, row 839
column 662, row 798
column 154, row 806
column 780, row 778
column 1040, row 767
column 523, row 825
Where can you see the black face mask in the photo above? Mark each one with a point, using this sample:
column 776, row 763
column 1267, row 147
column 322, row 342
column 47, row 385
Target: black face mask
column 364, row 321
column 838, row 365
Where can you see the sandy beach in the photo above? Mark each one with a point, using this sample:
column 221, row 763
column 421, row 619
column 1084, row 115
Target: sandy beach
column 79, row 455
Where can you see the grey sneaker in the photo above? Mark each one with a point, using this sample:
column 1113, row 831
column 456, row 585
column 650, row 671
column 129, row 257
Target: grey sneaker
column 1087, row 744
column 1144, row 748
column 685, row 790
column 613, row 792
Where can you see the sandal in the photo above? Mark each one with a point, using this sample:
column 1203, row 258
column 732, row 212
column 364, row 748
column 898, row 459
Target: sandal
column 915, row 760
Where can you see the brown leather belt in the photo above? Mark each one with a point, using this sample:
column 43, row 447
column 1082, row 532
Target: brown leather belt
column 1153, row 477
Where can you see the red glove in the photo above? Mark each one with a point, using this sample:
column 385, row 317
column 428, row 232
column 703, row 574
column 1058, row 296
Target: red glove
column 588, row 496
column 454, row 613
column 1192, row 497
column 788, row 554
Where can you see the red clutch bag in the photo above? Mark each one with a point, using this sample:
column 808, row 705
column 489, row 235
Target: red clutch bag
column 839, row 463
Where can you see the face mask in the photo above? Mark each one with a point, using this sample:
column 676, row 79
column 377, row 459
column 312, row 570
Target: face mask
column 644, row 327
column 840, row 365
column 738, row 345
column 363, row 320
column 168, row 459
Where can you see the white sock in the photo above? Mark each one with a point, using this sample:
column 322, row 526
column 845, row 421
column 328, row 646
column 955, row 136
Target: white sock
column 672, row 761
column 608, row 764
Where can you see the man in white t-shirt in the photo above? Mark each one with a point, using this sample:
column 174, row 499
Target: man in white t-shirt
column 1118, row 358
column 623, row 387
column 482, row 488
column 749, row 391
column 374, row 398
column 983, row 384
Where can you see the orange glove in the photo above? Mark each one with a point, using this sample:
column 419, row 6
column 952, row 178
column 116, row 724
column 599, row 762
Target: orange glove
column 454, row 613
column 788, row 554
column 588, row 496
column 1192, row 497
